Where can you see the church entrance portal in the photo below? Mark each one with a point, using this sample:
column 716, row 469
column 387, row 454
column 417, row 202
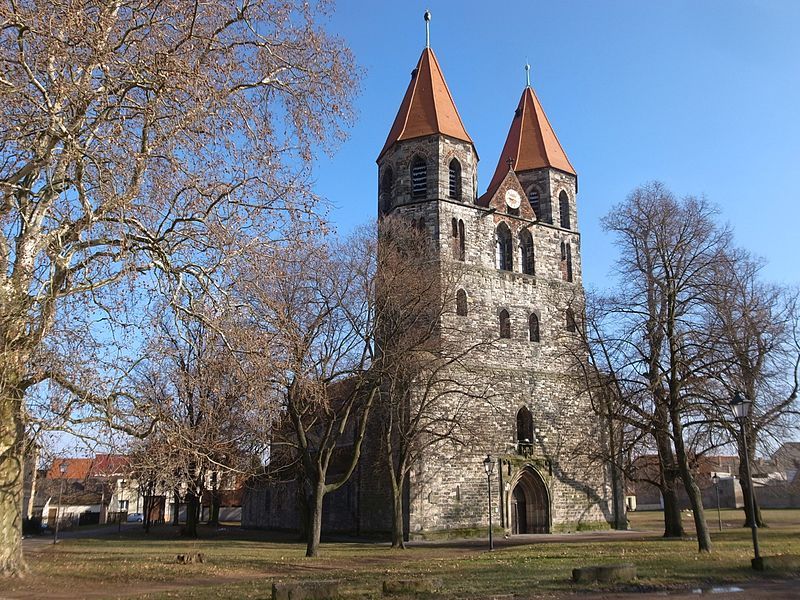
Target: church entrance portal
column 530, row 505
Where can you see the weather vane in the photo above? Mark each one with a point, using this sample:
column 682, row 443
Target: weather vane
column 427, row 29
column 527, row 74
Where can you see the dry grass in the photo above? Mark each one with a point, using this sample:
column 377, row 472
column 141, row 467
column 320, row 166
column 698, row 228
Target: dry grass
column 243, row 564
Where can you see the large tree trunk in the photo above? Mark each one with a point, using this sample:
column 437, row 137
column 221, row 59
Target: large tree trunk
column 192, row 515
column 12, row 446
column 398, row 534
column 213, row 514
column 756, row 509
column 315, row 520
column 695, row 496
column 673, row 527
column 618, row 508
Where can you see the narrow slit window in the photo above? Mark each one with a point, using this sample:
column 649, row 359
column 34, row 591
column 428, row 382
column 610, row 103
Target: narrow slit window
column 505, row 324
column 533, row 327
column 572, row 327
column 461, row 303
column 462, row 248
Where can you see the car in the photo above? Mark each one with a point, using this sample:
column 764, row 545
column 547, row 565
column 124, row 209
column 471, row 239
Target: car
column 135, row 518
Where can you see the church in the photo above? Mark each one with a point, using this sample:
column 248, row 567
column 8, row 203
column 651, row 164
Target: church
column 518, row 247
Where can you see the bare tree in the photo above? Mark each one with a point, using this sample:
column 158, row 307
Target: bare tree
column 210, row 409
column 311, row 309
column 669, row 250
column 754, row 327
column 136, row 138
column 429, row 388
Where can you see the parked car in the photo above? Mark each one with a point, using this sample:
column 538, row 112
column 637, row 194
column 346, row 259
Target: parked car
column 135, row 518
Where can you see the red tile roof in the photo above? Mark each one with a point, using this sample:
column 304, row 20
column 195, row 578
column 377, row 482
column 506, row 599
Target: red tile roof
column 531, row 142
column 427, row 107
column 77, row 468
column 107, row 465
column 102, row 465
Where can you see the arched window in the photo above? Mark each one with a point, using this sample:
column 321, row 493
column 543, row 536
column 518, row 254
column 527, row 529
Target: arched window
column 524, row 426
column 566, row 261
column 533, row 199
column 526, row 246
column 505, row 251
column 572, row 327
column 533, row 328
column 461, row 303
column 419, row 178
column 455, row 180
column 385, row 191
column 505, row 324
column 563, row 207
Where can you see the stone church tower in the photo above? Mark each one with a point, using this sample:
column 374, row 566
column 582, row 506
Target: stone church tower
column 518, row 245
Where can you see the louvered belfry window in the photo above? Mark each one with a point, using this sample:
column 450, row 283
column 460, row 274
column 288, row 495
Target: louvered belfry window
column 419, row 178
column 455, row 180
column 533, row 199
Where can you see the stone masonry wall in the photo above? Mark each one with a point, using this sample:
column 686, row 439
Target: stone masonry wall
column 449, row 488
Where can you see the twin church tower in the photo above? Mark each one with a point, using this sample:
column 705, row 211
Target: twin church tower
column 518, row 247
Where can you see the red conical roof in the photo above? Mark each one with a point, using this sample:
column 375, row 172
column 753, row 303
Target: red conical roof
column 427, row 107
column 531, row 142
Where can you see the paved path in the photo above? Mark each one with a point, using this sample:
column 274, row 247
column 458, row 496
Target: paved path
column 542, row 538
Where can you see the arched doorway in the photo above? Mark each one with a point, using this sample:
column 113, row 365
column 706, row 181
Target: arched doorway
column 530, row 504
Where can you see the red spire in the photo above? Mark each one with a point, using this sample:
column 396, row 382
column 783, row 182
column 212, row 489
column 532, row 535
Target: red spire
column 531, row 142
column 427, row 107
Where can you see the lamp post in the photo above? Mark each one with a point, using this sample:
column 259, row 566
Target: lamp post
column 740, row 405
column 119, row 505
column 715, row 481
column 488, row 466
column 62, row 468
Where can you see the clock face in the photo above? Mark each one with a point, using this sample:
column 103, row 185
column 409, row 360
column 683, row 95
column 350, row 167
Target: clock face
column 513, row 199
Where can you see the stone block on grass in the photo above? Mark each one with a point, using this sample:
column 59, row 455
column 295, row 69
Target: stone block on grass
column 781, row 562
column 305, row 590
column 188, row 559
column 604, row 573
column 411, row 586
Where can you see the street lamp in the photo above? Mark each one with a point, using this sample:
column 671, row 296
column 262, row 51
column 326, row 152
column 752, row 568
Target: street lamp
column 740, row 405
column 715, row 481
column 119, row 505
column 62, row 468
column 488, row 466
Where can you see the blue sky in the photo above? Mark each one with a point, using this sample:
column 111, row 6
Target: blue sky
column 702, row 95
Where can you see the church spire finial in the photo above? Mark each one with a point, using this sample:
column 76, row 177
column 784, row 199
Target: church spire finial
column 427, row 17
column 527, row 74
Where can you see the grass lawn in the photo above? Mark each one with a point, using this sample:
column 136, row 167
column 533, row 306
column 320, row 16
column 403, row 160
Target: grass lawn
column 242, row 564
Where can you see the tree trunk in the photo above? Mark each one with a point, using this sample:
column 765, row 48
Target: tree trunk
column 12, row 445
column 618, row 508
column 398, row 537
column 695, row 497
column 745, row 485
column 673, row 527
column 315, row 520
column 192, row 504
column 213, row 514
column 176, row 514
